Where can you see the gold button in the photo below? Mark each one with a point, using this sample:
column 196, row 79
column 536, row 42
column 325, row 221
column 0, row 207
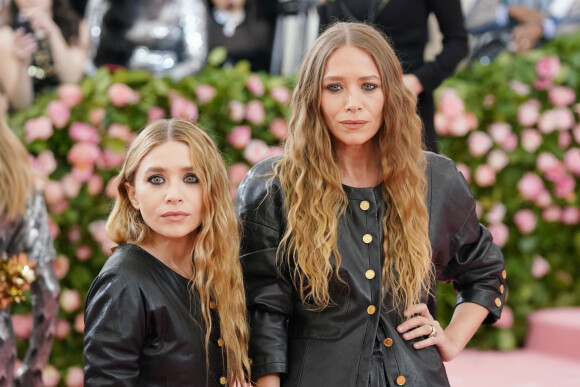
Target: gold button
column 221, row 342
column 401, row 380
column 501, row 289
column 223, row 380
column 371, row 309
column 367, row 238
column 212, row 304
column 370, row 274
column 388, row 342
column 504, row 274
column 497, row 302
column 364, row 205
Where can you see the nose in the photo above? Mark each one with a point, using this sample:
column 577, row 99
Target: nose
column 173, row 193
column 353, row 102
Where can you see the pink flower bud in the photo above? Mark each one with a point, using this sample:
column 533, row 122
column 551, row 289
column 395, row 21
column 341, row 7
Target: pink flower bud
column 540, row 267
column 58, row 113
column 525, row 221
column 70, row 94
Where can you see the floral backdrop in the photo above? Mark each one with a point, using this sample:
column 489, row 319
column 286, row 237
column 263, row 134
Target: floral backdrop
column 512, row 127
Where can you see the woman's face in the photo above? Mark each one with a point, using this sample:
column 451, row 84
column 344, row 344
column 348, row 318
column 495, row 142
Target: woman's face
column 168, row 194
column 352, row 97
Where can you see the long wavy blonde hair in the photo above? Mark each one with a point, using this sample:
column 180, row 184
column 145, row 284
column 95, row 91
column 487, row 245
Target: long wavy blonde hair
column 315, row 199
column 217, row 273
column 16, row 177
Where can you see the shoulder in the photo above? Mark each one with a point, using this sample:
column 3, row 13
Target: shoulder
column 442, row 173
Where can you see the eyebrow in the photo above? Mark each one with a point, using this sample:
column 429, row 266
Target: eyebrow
column 154, row 169
column 339, row 78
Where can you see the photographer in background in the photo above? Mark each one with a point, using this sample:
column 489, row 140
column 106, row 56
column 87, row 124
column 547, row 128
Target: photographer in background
column 44, row 43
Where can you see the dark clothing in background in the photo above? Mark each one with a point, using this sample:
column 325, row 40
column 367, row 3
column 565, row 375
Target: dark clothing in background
column 405, row 23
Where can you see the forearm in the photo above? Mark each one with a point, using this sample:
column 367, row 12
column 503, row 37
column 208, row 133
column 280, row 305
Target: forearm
column 466, row 319
column 68, row 60
column 272, row 380
column 20, row 91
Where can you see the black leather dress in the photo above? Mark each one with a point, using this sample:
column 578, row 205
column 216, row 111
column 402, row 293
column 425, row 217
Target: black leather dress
column 143, row 327
column 336, row 346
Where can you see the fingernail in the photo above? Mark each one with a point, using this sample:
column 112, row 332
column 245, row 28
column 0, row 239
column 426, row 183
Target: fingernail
column 400, row 328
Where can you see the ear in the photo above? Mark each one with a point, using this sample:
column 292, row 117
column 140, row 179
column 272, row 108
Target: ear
column 132, row 195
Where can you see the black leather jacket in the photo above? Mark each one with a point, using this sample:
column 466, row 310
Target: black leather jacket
column 143, row 327
column 333, row 347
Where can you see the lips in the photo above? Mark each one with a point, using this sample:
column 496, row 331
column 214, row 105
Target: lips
column 174, row 216
column 354, row 124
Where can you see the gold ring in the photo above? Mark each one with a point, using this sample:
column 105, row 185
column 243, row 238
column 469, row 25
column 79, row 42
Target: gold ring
column 433, row 331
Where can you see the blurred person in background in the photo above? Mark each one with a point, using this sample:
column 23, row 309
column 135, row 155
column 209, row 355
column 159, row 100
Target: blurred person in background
column 164, row 37
column 24, row 230
column 44, row 44
column 245, row 28
column 405, row 24
column 518, row 25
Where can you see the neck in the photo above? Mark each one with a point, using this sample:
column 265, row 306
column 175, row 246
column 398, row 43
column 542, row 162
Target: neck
column 359, row 166
column 175, row 255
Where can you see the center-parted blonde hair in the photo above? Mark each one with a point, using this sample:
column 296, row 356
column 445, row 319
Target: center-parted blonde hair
column 217, row 273
column 315, row 199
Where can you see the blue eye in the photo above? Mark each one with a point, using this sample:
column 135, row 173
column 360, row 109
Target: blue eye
column 369, row 86
column 191, row 179
column 334, row 87
column 156, row 179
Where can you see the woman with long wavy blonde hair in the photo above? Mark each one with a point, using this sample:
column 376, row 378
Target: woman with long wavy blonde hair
column 346, row 233
column 168, row 307
column 25, row 233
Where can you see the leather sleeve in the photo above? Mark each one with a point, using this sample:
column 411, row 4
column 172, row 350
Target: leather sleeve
column 463, row 249
column 268, row 291
column 112, row 337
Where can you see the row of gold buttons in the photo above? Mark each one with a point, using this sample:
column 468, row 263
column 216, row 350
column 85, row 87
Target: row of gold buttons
column 368, row 238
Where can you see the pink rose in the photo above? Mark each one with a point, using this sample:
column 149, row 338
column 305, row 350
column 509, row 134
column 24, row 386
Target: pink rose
column 205, row 93
column 496, row 214
column 111, row 189
column 465, row 171
column 53, row 228
column 237, row 172
column 255, row 85
column 255, row 112
column 38, row 129
column 562, row 96
column 547, row 122
column 519, row 88
column 96, row 116
column 280, row 94
column 83, row 153
column 564, row 186
column 548, row 67
column 95, row 185
column 74, row 234
column 497, row 159
column 279, row 128
column 510, row 143
column 450, row 104
column 570, row 215
column 71, row 186
column 79, row 324
column 275, row 151
column 543, row 199
column 500, row 233
column 45, row 163
column 119, row 131
column 22, row 324
column 99, row 234
column 472, row 122
column 572, row 160
column 564, row 140
column 121, row 95
column 81, row 132
column 256, row 151
column 525, row 221
column 552, row 213
column 70, row 300
column 237, row 110
column 50, row 376
column 441, row 124
column 459, row 127
column 546, row 161
column 74, row 377
column 83, row 172
column 564, row 118
column 499, row 131
column 530, row 185
column 506, row 321
column 540, row 267
column 531, row 140
column 83, row 253
column 70, row 94
column 240, row 136
column 484, row 175
column 53, row 192
column 62, row 329
column 183, row 107
column 479, row 143
column 110, row 160
column 543, row 83
column 155, row 113
column 58, row 113
column 528, row 114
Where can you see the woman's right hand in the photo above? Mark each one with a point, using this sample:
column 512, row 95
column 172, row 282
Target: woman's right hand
column 23, row 46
